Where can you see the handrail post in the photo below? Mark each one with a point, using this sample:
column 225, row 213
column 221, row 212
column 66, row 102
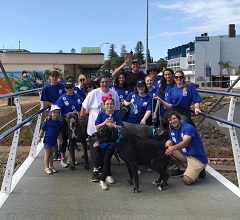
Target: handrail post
column 33, row 149
column 8, row 175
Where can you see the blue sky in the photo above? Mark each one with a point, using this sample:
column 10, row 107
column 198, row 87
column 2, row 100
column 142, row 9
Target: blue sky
column 51, row 25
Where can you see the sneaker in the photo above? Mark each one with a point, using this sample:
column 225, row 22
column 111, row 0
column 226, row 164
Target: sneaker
column 53, row 170
column 139, row 172
column 69, row 160
column 110, row 180
column 148, row 169
column 177, row 173
column 77, row 148
column 103, row 185
column 48, row 171
column 173, row 167
column 202, row 174
column 63, row 163
column 95, row 177
column 100, row 170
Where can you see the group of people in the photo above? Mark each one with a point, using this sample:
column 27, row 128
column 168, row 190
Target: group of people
column 148, row 98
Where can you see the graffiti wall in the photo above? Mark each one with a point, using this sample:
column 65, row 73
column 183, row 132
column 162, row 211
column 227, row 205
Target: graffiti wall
column 22, row 80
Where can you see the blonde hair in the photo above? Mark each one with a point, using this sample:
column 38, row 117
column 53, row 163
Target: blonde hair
column 81, row 76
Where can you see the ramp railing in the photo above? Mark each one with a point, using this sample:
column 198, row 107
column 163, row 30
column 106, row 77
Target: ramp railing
column 6, row 187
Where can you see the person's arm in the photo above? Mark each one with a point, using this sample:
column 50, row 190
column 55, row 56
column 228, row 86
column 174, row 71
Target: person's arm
column 154, row 116
column 117, row 70
column 145, row 117
column 166, row 104
column 184, row 143
column 82, row 113
column 47, row 104
column 197, row 108
column 40, row 136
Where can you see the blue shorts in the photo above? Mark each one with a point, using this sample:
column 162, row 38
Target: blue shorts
column 46, row 146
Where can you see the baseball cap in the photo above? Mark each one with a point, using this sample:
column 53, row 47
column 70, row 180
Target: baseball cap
column 69, row 84
column 54, row 72
column 140, row 83
column 54, row 107
column 135, row 61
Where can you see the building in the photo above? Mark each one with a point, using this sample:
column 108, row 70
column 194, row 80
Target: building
column 200, row 60
column 88, row 62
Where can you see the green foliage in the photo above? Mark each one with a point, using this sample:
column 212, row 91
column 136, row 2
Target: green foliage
column 112, row 53
column 139, row 49
column 123, row 51
column 73, row 50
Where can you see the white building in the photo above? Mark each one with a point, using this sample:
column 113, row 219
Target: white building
column 200, row 59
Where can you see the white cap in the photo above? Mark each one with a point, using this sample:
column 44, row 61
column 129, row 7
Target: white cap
column 54, row 107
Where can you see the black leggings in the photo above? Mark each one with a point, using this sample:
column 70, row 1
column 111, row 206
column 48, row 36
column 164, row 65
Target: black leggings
column 106, row 168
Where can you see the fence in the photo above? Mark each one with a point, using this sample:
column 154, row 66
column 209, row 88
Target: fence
column 13, row 150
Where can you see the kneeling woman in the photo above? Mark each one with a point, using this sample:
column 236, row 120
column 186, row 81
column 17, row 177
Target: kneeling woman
column 110, row 118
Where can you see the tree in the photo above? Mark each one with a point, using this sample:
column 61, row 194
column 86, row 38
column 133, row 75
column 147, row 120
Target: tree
column 150, row 59
column 225, row 65
column 123, row 51
column 60, row 51
column 162, row 63
column 139, row 51
column 73, row 50
column 112, row 53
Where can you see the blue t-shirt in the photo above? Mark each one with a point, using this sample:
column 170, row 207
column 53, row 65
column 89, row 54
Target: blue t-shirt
column 52, row 129
column 164, row 96
column 122, row 93
column 139, row 106
column 117, row 120
column 52, row 93
column 69, row 103
column 157, row 82
column 180, row 99
column 80, row 92
column 195, row 148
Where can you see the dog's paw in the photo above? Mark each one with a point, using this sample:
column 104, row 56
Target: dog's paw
column 130, row 182
column 156, row 183
column 134, row 190
column 160, row 188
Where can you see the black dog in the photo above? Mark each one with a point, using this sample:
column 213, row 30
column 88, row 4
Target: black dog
column 77, row 133
column 135, row 150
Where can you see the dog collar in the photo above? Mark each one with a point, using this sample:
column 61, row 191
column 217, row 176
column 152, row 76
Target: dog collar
column 120, row 136
column 154, row 132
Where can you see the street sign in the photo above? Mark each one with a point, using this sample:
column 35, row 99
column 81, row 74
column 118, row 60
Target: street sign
column 208, row 71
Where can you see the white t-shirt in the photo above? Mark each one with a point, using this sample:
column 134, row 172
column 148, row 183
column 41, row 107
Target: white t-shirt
column 93, row 102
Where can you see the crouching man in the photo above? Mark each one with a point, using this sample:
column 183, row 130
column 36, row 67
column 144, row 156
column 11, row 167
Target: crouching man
column 186, row 148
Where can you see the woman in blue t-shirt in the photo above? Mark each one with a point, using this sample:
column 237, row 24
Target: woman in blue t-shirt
column 140, row 104
column 181, row 97
column 68, row 102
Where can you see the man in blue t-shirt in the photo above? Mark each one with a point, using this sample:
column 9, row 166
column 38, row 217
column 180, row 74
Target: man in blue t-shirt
column 186, row 148
column 52, row 91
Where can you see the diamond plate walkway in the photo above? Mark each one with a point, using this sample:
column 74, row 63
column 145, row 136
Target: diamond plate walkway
column 71, row 195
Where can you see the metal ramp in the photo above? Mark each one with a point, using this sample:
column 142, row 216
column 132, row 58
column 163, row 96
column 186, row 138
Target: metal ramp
column 71, row 195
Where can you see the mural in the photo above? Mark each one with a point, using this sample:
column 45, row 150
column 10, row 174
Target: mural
column 22, row 81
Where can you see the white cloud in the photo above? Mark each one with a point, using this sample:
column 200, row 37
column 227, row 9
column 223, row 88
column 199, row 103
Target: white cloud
column 200, row 16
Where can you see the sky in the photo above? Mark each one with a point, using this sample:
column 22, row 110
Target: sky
column 53, row 25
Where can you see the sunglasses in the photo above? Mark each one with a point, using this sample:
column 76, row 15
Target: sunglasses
column 178, row 77
column 82, row 80
column 68, row 87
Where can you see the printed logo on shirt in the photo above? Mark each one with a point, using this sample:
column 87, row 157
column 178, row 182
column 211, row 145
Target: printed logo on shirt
column 144, row 104
column 65, row 101
column 60, row 92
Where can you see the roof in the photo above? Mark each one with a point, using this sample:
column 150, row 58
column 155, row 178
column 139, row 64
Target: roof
column 91, row 50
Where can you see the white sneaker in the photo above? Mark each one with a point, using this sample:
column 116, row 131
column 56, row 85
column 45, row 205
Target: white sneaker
column 63, row 163
column 103, row 185
column 69, row 161
column 139, row 172
column 110, row 180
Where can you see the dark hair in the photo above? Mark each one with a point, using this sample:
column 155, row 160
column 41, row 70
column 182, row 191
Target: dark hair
column 69, row 78
column 164, row 81
column 180, row 71
column 89, row 83
column 170, row 113
column 116, row 82
column 103, row 77
column 146, row 89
